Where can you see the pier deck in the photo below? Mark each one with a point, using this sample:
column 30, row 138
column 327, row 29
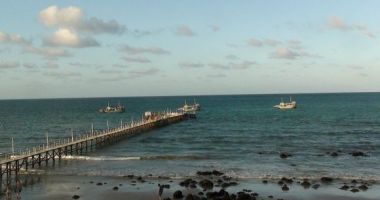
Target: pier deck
column 11, row 164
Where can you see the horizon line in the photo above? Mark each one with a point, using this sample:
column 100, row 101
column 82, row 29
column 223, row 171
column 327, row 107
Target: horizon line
column 189, row 95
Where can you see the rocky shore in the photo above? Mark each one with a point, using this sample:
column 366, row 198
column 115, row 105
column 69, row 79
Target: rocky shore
column 204, row 185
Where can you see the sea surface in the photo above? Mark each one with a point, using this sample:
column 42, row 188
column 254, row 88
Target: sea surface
column 241, row 135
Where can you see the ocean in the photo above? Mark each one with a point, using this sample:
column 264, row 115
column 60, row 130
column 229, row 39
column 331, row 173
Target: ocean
column 241, row 135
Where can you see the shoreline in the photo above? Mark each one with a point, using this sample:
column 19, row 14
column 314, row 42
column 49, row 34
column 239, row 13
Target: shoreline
column 43, row 187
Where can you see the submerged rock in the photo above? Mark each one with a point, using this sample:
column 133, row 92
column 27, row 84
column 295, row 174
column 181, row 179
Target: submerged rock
column 192, row 197
column 177, row 194
column 358, row 153
column 285, row 155
column 305, row 183
column 285, row 188
column 315, row 186
column 354, row 190
column 76, row 197
column 206, row 184
column 363, row 187
column 326, row 179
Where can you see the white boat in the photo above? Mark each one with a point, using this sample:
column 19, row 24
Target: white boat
column 286, row 105
column 111, row 109
column 187, row 108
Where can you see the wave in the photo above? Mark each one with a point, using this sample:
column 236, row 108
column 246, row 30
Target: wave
column 114, row 158
column 99, row 158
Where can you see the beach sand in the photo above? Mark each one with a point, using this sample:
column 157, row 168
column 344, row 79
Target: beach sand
column 49, row 187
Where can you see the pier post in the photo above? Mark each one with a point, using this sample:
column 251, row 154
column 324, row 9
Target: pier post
column 33, row 161
column 46, row 158
column 8, row 170
column 16, row 167
column 39, row 160
column 26, row 163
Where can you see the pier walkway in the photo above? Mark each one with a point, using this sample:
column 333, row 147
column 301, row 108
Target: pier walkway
column 11, row 164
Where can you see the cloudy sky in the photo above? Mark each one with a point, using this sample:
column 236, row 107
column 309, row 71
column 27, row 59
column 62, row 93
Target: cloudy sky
column 52, row 49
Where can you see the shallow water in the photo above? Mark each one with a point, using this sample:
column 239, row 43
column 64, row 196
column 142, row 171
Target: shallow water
column 241, row 135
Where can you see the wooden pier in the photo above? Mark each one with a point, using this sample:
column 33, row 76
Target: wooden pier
column 39, row 156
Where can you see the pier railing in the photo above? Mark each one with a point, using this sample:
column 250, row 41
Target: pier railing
column 92, row 135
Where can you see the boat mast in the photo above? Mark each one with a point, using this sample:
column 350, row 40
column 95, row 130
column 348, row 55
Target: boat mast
column 13, row 147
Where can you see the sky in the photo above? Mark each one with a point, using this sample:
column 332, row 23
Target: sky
column 75, row 48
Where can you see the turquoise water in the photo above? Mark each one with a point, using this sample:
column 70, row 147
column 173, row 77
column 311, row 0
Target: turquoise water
column 241, row 135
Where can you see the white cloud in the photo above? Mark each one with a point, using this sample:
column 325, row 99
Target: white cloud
column 143, row 72
column 255, row 42
column 184, row 31
column 337, row 23
column 284, row 53
column 13, row 38
column 214, row 28
column 9, row 64
column 142, row 50
column 191, row 64
column 68, row 38
column 54, row 16
column 73, row 17
column 231, row 57
column 136, row 59
column 49, row 53
column 271, row 42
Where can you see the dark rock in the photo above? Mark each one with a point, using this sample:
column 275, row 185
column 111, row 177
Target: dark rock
column 244, row 196
column 192, row 197
column 354, row 181
column 206, row 184
column 120, row 185
column 305, row 183
column 167, row 186
column 200, row 193
column 315, row 186
column 78, row 188
column 115, row 188
column 285, row 188
column 226, row 178
column 130, row 176
column 326, row 179
column 177, row 194
column 217, row 173
column 285, row 155
column 186, row 182
column 363, row 187
column 265, row 181
column 204, row 173
column 280, row 182
column 358, row 153
column 354, row 190
column 270, row 196
column 76, row 197
column 91, row 182
column 334, row 154
column 99, row 184
column 287, row 180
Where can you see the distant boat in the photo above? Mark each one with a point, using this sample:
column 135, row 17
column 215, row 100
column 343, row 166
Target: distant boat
column 196, row 106
column 112, row 109
column 286, row 105
column 189, row 108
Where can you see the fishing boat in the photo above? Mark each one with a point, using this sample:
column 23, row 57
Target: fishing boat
column 196, row 106
column 113, row 109
column 187, row 108
column 286, row 105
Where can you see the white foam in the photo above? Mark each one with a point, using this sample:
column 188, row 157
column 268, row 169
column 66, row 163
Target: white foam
column 100, row 158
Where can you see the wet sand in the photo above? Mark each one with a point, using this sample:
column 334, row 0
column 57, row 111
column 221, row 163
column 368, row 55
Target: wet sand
column 117, row 188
